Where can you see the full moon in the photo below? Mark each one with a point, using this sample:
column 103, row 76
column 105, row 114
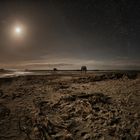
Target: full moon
column 18, row 30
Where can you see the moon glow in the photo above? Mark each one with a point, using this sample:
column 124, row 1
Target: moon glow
column 18, row 30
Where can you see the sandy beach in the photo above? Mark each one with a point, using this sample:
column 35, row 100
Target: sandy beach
column 70, row 107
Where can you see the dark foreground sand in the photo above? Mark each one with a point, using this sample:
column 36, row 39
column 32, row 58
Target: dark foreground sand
column 70, row 107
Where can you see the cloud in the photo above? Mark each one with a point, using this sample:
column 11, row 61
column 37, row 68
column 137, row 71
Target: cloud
column 50, row 62
column 91, row 64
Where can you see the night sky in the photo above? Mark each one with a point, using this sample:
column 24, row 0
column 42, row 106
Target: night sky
column 101, row 34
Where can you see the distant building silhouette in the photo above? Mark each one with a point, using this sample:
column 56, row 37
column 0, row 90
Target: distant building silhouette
column 83, row 69
column 55, row 69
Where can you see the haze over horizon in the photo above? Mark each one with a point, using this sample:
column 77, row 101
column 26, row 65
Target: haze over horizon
column 70, row 33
